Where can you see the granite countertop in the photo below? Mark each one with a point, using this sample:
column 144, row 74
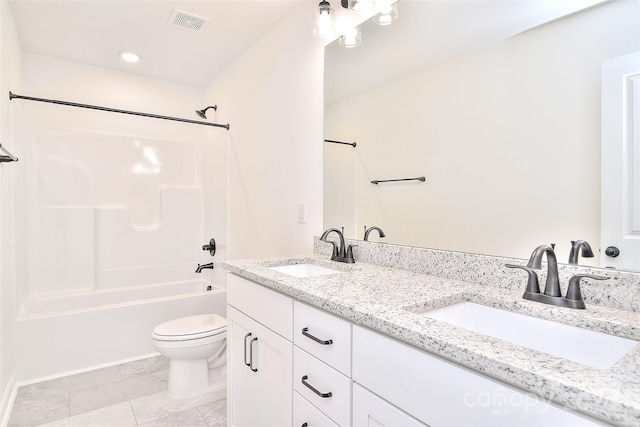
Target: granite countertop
column 390, row 301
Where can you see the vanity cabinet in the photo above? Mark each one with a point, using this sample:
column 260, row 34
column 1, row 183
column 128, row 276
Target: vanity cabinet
column 322, row 365
column 293, row 364
column 259, row 355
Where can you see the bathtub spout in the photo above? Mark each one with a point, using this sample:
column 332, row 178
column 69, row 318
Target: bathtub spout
column 203, row 266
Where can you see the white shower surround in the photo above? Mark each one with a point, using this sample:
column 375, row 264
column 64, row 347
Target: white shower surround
column 112, row 212
column 109, row 257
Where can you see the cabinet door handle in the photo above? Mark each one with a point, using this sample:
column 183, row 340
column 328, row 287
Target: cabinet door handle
column 245, row 350
column 304, row 425
column 305, row 332
column 251, row 355
column 313, row 389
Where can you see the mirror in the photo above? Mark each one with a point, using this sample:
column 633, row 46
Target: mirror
column 501, row 115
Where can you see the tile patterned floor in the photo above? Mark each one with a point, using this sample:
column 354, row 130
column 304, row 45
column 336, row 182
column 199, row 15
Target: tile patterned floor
column 131, row 394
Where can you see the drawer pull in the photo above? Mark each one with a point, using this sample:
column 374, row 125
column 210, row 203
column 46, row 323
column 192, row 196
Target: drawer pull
column 251, row 355
column 245, row 350
column 304, row 425
column 313, row 389
column 305, row 332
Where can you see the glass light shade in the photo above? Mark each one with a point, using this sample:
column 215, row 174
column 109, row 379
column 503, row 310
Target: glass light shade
column 361, row 6
column 388, row 14
column 323, row 21
column 352, row 38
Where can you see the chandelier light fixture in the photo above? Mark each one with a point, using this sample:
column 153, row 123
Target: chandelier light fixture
column 323, row 20
column 359, row 6
column 384, row 12
column 351, row 38
column 387, row 15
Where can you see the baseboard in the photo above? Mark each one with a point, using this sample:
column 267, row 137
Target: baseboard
column 8, row 397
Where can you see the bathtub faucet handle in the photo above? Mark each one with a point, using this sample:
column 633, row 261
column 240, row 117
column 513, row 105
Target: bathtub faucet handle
column 211, row 247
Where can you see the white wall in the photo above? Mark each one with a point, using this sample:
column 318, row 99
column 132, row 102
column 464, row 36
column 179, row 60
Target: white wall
column 272, row 97
column 9, row 79
column 506, row 168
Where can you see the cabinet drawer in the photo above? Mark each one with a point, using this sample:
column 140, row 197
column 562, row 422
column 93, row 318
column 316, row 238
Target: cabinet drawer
column 313, row 329
column 268, row 307
column 335, row 387
column 304, row 413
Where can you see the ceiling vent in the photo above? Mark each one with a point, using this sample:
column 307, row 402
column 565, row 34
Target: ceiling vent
column 187, row 20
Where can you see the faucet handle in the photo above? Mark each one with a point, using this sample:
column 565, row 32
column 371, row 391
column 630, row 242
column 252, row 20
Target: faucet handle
column 532, row 280
column 573, row 290
column 211, row 247
column 334, row 252
column 349, row 256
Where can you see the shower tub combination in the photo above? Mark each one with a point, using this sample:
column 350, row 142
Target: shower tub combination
column 73, row 332
column 114, row 220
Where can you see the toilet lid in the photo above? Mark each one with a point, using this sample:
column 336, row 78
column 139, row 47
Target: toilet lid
column 191, row 327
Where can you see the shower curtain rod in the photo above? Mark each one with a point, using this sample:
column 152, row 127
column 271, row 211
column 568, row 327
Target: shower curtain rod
column 115, row 110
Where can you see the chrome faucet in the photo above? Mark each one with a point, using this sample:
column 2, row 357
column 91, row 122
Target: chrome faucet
column 340, row 254
column 203, row 266
column 552, row 294
column 576, row 246
column 370, row 229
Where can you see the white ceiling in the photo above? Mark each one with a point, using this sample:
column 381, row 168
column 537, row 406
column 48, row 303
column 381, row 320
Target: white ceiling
column 429, row 31
column 95, row 32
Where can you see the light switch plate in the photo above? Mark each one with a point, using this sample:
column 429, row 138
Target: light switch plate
column 302, row 213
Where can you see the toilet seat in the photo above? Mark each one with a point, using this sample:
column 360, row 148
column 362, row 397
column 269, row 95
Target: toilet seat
column 190, row 328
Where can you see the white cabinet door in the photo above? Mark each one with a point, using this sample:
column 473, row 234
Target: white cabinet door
column 371, row 411
column 244, row 391
column 441, row 393
column 275, row 360
column 620, row 198
column 260, row 363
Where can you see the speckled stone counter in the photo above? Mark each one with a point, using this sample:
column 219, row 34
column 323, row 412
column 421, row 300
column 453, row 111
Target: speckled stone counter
column 390, row 300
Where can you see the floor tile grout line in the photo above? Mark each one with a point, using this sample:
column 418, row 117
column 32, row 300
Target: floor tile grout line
column 134, row 413
column 203, row 418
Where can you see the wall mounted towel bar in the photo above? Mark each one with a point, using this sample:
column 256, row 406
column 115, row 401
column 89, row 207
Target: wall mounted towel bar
column 7, row 157
column 353, row 144
column 378, row 181
column 115, row 110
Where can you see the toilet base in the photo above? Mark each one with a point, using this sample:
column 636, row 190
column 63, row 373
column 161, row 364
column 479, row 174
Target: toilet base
column 188, row 378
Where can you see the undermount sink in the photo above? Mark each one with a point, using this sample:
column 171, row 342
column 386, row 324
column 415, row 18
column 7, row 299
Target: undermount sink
column 304, row 270
column 592, row 348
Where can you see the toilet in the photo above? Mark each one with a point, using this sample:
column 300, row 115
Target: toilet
column 193, row 344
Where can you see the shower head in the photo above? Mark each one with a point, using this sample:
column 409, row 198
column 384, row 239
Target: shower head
column 203, row 113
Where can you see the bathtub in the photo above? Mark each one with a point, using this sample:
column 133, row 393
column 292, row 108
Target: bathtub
column 58, row 334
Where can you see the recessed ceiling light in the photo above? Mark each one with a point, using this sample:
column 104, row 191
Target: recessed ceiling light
column 129, row 57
